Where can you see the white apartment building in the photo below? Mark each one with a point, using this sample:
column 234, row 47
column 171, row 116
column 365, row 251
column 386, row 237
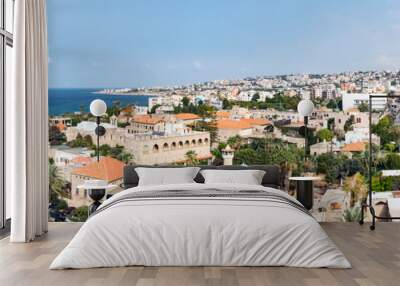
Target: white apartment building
column 353, row 100
column 248, row 95
column 64, row 155
column 164, row 101
column 360, row 135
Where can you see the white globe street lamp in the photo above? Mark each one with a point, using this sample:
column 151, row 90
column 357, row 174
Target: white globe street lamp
column 305, row 107
column 98, row 107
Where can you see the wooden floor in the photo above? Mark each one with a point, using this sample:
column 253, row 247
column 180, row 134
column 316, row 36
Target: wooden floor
column 375, row 257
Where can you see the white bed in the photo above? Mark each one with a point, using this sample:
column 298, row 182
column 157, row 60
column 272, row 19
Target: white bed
column 185, row 230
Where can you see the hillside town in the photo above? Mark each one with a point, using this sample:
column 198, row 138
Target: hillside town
column 249, row 121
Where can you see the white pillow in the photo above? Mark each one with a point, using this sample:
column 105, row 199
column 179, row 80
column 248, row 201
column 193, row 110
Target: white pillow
column 249, row 177
column 166, row 176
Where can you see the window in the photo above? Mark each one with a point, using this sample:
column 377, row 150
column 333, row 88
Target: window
column 136, row 78
column 6, row 43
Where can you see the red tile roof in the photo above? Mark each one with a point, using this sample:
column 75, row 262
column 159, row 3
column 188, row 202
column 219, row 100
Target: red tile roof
column 256, row 121
column 108, row 169
column 61, row 126
column 244, row 123
column 146, row 119
column 186, row 116
column 222, row 114
column 232, row 124
column 82, row 160
column 354, row 147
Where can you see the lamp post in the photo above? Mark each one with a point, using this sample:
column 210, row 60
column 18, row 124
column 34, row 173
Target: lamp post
column 96, row 192
column 304, row 184
column 305, row 109
column 98, row 108
column 268, row 130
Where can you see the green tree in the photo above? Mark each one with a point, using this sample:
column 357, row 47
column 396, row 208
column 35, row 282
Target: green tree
column 390, row 147
column 79, row 214
column 363, row 107
column 332, row 104
column 331, row 124
column 125, row 157
column 381, row 184
column 75, row 120
column 339, row 102
column 118, row 152
column 154, row 108
column 216, row 152
column 386, row 130
column 332, row 166
column 208, row 125
column 269, row 151
column 325, row 134
column 226, row 104
column 392, row 161
column 235, row 142
column 115, row 108
column 56, row 137
column 248, row 156
column 348, row 125
column 122, row 124
column 185, row 101
column 255, row 97
column 105, row 150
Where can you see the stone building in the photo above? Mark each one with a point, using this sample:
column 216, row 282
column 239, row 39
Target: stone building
column 169, row 148
column 146, row 124
column 244, row 127
column 153, row 147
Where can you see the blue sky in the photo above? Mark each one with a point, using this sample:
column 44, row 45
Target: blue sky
column 132, row 43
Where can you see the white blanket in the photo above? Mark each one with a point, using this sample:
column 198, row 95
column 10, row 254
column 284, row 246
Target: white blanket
column 188, row 231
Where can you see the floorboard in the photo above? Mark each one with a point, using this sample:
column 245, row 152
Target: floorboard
column 375, row 257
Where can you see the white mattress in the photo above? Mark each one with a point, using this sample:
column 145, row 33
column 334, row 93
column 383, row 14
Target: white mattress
column 200, row 232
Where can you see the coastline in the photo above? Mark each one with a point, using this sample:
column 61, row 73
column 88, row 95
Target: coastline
column 135, row 93
column 71, row 100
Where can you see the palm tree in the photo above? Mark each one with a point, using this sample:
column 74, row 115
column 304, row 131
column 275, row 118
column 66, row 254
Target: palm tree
column 56, row 183
column 191, row 158
column 356, row 186
column 235, row 142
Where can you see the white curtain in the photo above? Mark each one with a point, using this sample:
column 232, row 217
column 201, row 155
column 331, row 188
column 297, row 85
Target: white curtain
column 27, row 124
